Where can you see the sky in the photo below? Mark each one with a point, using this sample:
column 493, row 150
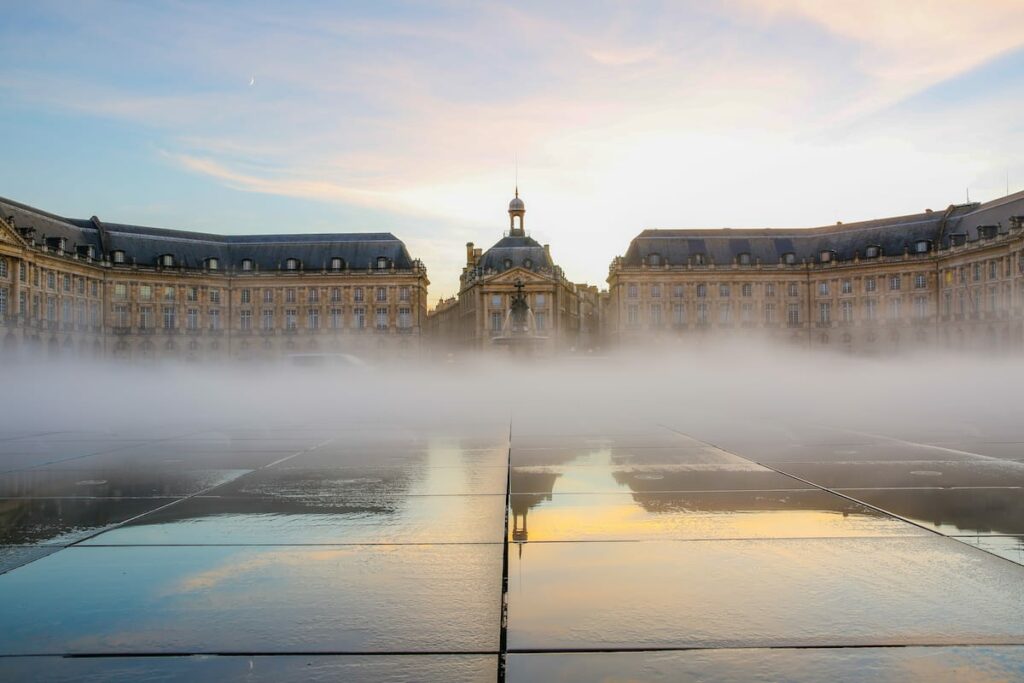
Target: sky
column 417, row 118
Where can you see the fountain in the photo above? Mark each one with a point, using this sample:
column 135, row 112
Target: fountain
column 519, row 331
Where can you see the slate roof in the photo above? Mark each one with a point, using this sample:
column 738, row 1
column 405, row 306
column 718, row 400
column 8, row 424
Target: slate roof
column 769, row 245
column 515, row 249
column 143, row 245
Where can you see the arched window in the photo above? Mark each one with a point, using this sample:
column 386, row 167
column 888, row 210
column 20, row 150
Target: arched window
column 337, row 263
column 117, row 256
column 382, row 262
column 212, row 263
column 291, row 264
column 166, row 260
column 247, row 264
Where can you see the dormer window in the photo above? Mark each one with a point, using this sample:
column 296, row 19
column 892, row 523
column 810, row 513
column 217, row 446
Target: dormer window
column 744, row 259
column 923, row 246
column 212, row 263
column 291, row 264
column 88, row 251
column 246, row 264
column 337, row 263
column 872, row 251
column 958, row 239
column 826, row 256
column 528, row 263
column 789, row 258
column 508, row 263
column 117, row 256
column 166, row 260
column 987, row 232
column 654, row 259
column 699, row 259
column 382, row 262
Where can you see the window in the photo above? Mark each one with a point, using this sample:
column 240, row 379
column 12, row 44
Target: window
column 267, row 319
column 825, row 313
column 117, row 256
column 94, row 288
column 23, row 303
column 169, row 293
column 793, row 289
column 677, row 291
column 678, row 314
column 789, row 258
column 145, row 317
column 495, row 321
column 540, row 300
column 214, row 315
column 655, row 291
column 826, row 256
column 702, row 291
column 120, row 291
column 894, row 309
column 769, row 289
column 191, row 294
column 922, row 246
column 746, row 290
column 170, row 315
column 823, row 288
column 870, row 284
column 51, row 280
column 3, row 301
column 724, row 289
column 793, row 314
column 167, row 261
column 66, row 316
column 920, row 281
column 744, row 259
column 654, row 259
column 246, row 264
column 268, row 296
column 847, row 287
column 382, row 262
column 313, row 318
column 289, row 295
column 67, row 282
column 702, row 313
column 947, row 304
column 313, row 295
column 212, row 263
column 920, row 307
column 335, row 294
column 632, row 314
column 382, row 294
column 94, row 314
column 747, row 313
column 357, row 294
column 698, row 259
column 291, row 319
column 496, row 301
column 3, row 267
column 336, row 263
column 724, row 313
column 632, row 291
column 245, row 320
column 541, row 322
column 359, row 315
column 991, row 270
column 291, row 264
column 120, row 315
column 192, row 318
column 873, row 251
column 81, row 285
column 336, row 318
column 655, row 315
column 404, row 318
column 51, row 309
column 246, row 296
column 382, row 318
column 977, row 272
column 23, row 272
column 403, row 293
column 894, row 283
column 214, row 295
column 769, row 313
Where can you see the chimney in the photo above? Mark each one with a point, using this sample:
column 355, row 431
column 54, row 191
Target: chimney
column 469, row 253
column 547, row 252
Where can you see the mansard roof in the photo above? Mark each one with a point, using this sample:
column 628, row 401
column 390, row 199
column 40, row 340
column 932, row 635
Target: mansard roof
column 769, row 245
column 513, row 252
column 143, row 245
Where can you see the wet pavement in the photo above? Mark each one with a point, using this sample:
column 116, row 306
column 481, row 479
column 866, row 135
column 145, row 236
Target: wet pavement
column 522, row 550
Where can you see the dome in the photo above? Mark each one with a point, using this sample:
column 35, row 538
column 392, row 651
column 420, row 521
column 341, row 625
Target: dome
column 516, row 204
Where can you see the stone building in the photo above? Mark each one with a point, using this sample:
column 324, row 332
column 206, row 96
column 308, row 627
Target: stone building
column 948, row 279
column 87, row 287
column 478, row 315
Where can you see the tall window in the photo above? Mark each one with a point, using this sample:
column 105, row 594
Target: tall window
column 793, row 289
column 633, row 314
column 769, row 289
column 145, row 292
column 847, row 310
column 290, row 319
column 214, row 315
column 495, row 321
column 289, row 295
column 632, row 291
column 677, row 291
column 678, row 314
column 3, row 301
column 268, row 296
column 192, row 318
column 540, row 320
column 335, row 294
column 724, row 314
column 313, row 318
column 540, row 301
column 313, row 295
column 824, row 312
column 403, row 293
column 847, row 287
column 793, row 314
column 404, row 318
column 870, row 284
column 920, row 307
column 359, row 316
column 747, row 290
column 769, row 313
column 120, row 315
column 656, row 315
column 191, row 294
column 245, row 320
column 267, row 320
column 382, row 318
column 920, row 281
column 702, row 290
column 145, row 317
column 894, row 309
column 823, row 288
column 169, row 293
column 747, row 313
column 357, row 294
column 655, row 291
column 382, row 294
column 3, row 267
column 723, row 289
column 702, row 313
column 214, row 295
column 170, row 318
column 336, row 318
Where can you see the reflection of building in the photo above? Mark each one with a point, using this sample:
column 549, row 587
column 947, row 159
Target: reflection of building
column 487, row 286
column 86, row 286
column 952, row 278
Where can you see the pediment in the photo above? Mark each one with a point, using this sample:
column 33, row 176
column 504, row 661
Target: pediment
column 509, row 277
column 9, row 235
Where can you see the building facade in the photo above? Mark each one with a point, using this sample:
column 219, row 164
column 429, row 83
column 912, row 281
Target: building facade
column 86, row 287
column 947, row 279
column 562, row 313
